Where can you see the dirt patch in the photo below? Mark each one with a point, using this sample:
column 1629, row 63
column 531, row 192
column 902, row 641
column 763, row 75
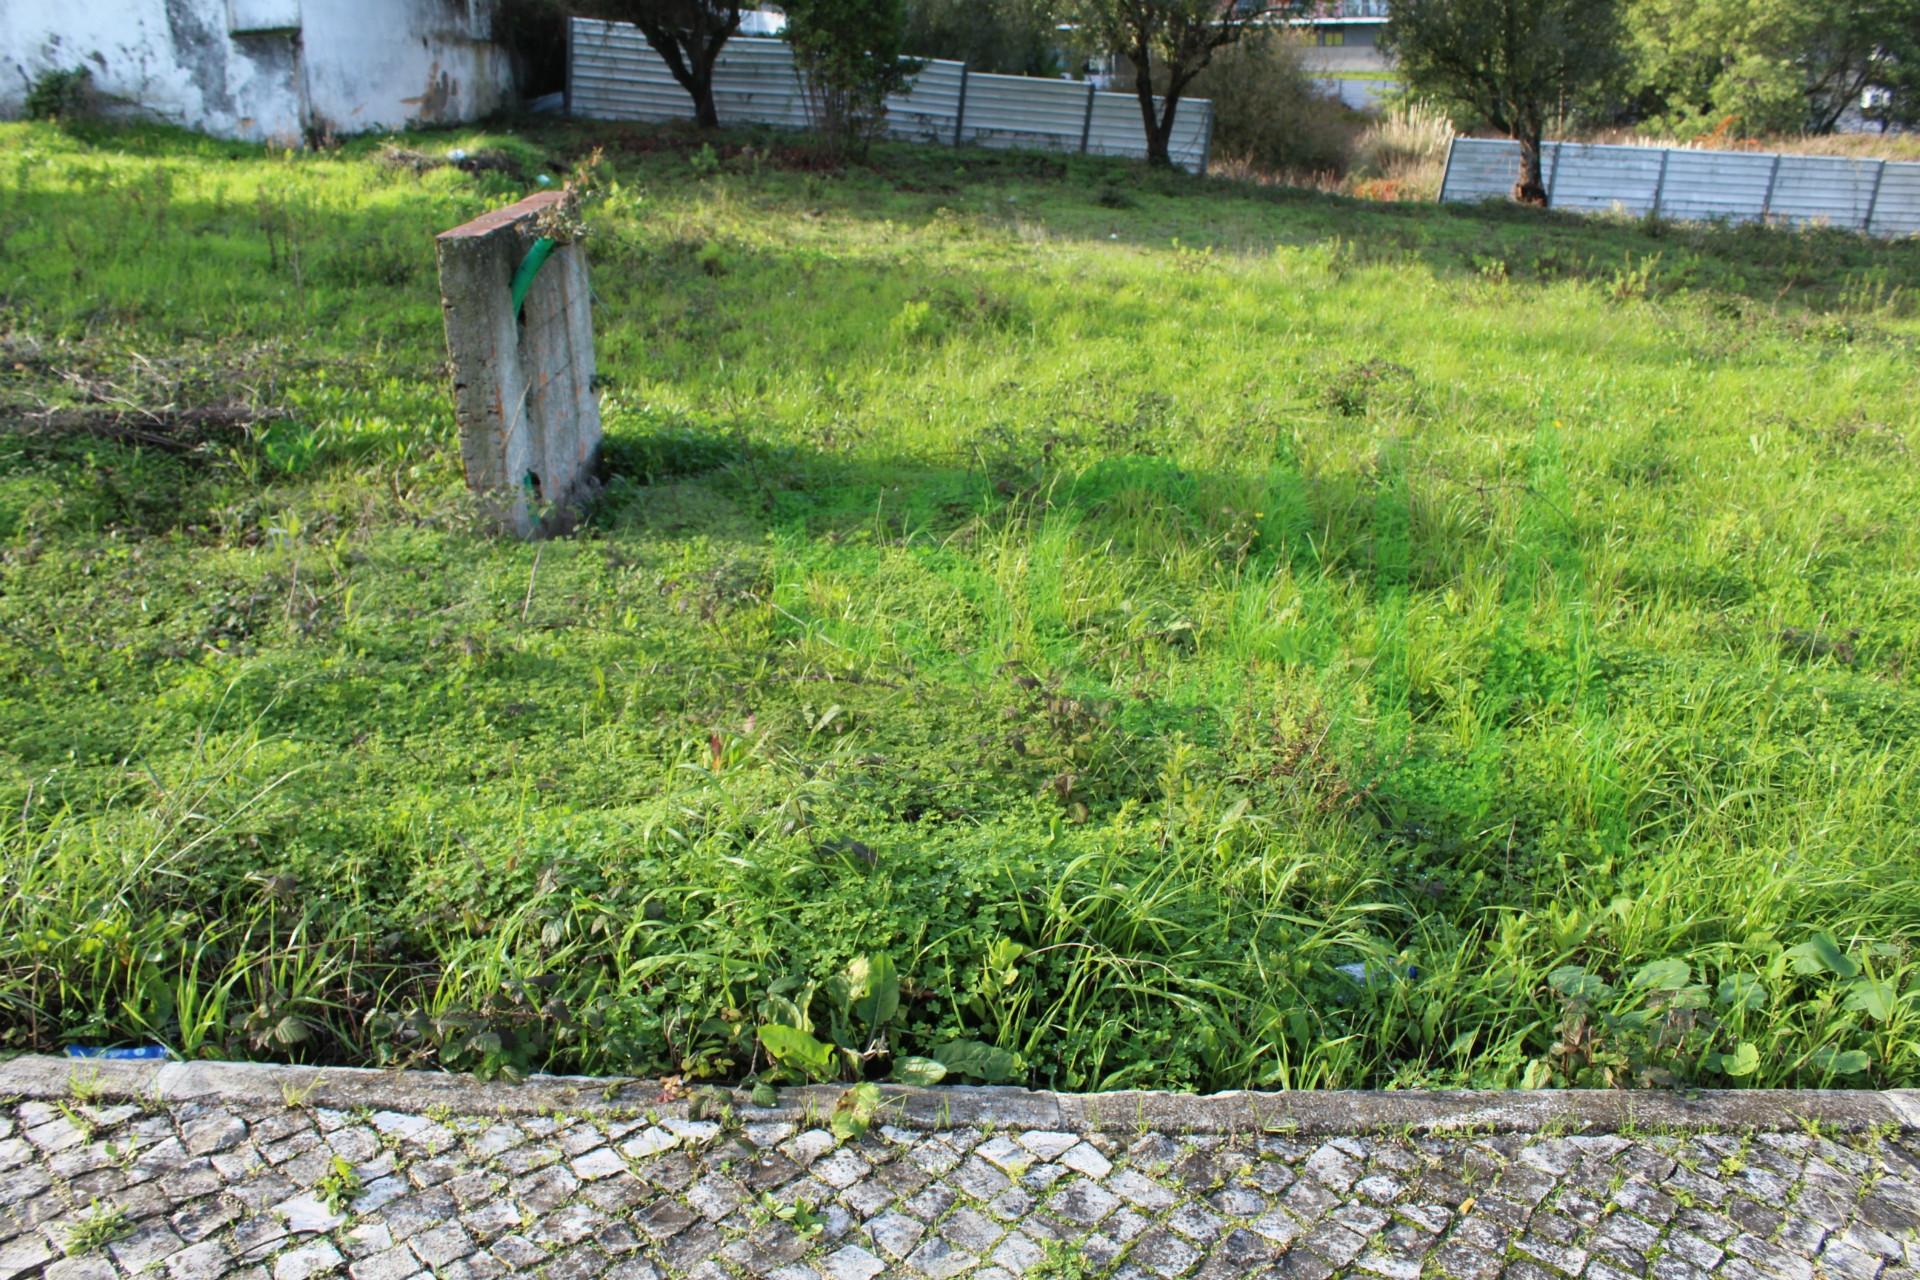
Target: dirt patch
column 797, row 157
column 175, row 430
column 1811, row 646
column 467, row 162
column 178, row 401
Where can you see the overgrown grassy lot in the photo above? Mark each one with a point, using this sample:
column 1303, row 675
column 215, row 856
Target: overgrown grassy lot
column 1201, row 636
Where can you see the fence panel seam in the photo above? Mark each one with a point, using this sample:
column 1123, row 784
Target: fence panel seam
column 1873, row 201
column 960, row 112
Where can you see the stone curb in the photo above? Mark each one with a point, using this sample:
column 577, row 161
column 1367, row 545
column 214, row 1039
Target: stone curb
column 1306, row 1113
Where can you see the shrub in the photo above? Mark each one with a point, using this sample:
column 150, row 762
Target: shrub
column 1008, row 37
column 1765, row 95
column 1267, row 112
column 1405, row 153
column 849, row 54
column 61, row 95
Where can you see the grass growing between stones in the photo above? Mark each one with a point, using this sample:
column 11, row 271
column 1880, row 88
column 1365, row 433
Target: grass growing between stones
column 1205, row 637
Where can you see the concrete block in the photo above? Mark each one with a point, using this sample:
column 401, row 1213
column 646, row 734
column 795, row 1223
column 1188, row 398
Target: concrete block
column 522, row 385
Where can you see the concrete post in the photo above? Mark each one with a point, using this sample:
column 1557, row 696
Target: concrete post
column 522, row 385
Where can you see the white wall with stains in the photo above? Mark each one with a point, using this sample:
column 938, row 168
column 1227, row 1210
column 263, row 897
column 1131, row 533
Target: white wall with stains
column 379, row 64
column 264, row 70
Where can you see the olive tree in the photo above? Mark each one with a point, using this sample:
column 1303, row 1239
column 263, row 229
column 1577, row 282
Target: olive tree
column 1169, row 43
column 1517, row 64
column 687, row 34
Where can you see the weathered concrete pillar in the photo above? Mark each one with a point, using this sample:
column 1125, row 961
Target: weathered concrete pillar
column 522, row 385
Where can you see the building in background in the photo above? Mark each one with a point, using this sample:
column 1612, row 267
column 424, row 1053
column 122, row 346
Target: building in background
column 762, row 22
column 1344, row 37
column 280, row 71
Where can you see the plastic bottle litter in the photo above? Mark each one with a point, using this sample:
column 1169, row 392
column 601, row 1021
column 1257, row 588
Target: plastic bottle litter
column 138, row 1053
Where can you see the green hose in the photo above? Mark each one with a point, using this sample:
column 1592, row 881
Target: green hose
column 529, row 268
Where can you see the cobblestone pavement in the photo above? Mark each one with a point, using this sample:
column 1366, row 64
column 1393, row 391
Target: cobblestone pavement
column 102, row 1179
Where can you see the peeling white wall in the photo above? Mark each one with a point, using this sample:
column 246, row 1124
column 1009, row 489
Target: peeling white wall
column 348, row 67
column 381, row 64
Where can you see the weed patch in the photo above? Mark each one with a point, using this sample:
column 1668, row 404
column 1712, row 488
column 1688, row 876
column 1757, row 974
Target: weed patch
column 1044, row 622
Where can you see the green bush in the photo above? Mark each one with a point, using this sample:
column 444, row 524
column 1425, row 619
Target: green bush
column 849, row 52
column 1008, row 37
column 61, row 95
column 1765, row 95
column 1268, row 113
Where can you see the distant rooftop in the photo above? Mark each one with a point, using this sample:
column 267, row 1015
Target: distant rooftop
column 1332, row 12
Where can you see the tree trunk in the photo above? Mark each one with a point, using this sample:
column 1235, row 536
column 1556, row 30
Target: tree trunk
column 704, row 58
column 705, row 113
column 1157, row 123
column 1531, row 189
column 691, row 60
column 1160, row 139
column 1143, row 91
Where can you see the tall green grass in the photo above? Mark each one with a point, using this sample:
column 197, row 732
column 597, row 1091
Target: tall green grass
column 1206, row 637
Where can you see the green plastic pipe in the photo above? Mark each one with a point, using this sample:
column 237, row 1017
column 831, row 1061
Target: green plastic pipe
column 529, row 268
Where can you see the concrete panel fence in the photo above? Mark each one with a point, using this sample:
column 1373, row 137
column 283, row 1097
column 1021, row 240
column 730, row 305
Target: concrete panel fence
column 1881, row 198
column 613, row 74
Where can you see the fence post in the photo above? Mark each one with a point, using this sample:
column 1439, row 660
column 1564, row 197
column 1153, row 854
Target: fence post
column 1873, row 201
column 960, row 112
column 1206, row 142
column 1773, row 178
column 1086, row 130
column 1660, row 183
column 1447, row 173
column 523, row 369
column 1559, row 157
column 573, row 38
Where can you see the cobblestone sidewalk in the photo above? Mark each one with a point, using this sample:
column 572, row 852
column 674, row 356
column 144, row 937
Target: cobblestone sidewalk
column 121, row 1171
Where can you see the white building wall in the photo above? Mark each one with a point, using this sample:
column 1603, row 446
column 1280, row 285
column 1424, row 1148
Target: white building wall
column 263, row 70
column 384, row 64
column 1358, row 48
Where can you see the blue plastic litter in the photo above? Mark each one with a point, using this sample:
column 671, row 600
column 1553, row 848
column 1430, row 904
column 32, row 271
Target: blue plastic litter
column 139, row 1053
